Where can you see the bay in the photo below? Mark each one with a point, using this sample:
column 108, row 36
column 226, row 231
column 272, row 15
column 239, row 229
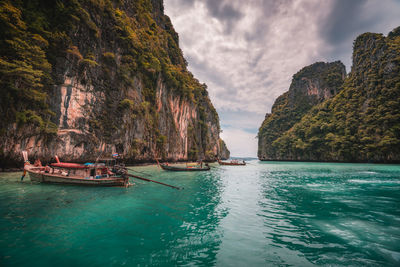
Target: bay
column 262, row 214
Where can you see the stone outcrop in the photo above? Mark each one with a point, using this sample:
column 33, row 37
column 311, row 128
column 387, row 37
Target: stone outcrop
column 120, row 85
column 358, row 124
column 224, row 152
column 310, row 86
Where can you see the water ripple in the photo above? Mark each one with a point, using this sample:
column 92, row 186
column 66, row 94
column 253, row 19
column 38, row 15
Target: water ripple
column 264, row 214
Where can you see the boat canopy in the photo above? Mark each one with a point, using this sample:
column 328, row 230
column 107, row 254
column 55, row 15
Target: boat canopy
column 70, row 165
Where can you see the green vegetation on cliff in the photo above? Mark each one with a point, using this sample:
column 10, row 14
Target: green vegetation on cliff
column 24, row 72
column 362, row 122
column 34, row 33
column 123, row 51
column 309, row 86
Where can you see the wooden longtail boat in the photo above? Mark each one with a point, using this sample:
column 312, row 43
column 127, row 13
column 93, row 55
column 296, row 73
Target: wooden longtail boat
column 62, row 176
column 74, row 173
column 232, row 163
column 178, row 168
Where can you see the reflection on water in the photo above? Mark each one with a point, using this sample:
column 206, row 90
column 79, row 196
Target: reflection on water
column 263, row 214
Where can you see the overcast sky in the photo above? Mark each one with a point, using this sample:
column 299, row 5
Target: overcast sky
column 247, row 51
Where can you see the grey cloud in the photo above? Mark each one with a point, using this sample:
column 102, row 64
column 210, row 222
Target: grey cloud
column 344, row 19
column 201, row 67
column 182, row 4
column 348, row 19
column 255, row 59
column 224, row 11
column 269, row 10
column 272, row 7
column 258, row 33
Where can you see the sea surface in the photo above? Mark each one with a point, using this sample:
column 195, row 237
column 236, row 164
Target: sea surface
column 263, row 214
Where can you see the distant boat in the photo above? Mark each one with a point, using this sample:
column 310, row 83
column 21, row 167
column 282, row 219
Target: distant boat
column 94, row 174
column 187, row 168
column 232, row 163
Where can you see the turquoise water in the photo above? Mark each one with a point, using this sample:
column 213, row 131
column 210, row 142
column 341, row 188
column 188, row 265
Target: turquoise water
column 263, row 214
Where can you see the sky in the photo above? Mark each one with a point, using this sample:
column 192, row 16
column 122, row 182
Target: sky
column 247, row 51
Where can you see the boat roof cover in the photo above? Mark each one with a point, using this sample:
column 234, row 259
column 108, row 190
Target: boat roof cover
column 69, row 165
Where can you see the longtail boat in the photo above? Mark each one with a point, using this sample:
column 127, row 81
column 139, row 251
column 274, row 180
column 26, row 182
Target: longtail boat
column 94, row 174
column 232, row 163
column 188, row 168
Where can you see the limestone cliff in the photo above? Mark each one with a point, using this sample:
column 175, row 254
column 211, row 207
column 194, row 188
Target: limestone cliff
column 224, row 152
column 359, row 124
column 310, row 86
column 104, row 77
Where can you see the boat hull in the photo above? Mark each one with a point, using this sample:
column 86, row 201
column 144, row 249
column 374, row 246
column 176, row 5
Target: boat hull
column 182, row 169
column 42, row 177
column 231, row 163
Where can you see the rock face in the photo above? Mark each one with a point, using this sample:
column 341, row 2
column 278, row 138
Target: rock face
column 310, row 86
column 359, row 124
column 224, row 152
column 116, row 82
